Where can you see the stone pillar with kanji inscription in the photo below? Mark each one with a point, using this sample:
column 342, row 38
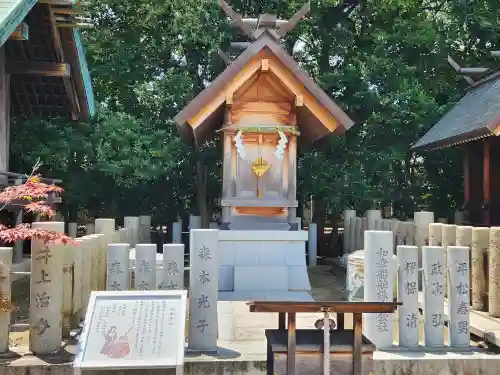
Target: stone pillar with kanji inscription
column 479, row 269
column 494, row 273
column 145, row 266
column 379, row 274
column 464, row 238
column 118, row 260
column 434, row 271
column 408, row 295
column 46, row 291
column 203, row 294
column 85, row 273
column 458, row 296
column 5, row 296
column 173, row 267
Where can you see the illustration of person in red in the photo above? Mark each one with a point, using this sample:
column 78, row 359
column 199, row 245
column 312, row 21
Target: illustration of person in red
column 114, row 346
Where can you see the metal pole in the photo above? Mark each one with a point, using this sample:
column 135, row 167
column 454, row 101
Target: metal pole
column 326, row 343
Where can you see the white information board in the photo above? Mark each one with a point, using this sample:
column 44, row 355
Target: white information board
column 133, row 330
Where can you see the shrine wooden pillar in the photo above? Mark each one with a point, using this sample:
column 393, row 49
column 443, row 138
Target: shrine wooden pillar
column 487, row 182
column 4, row 115
column 467, row 183
column 495, row 181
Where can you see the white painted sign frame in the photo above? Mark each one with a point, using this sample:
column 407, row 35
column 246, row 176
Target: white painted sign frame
column 80, row 364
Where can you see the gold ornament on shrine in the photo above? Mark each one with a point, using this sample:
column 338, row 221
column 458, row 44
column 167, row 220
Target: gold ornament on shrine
column 260, row 166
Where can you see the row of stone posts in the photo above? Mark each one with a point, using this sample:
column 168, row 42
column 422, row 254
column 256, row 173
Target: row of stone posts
column 62, row 278
column 203, row 283
column 380, row 271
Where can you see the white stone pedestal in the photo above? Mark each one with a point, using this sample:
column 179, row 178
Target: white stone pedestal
column 379, row 285
column 433, row 281
column 408, row 295
column 458, row 296
column 173, row 267
column 273, row 261
column 203, row 285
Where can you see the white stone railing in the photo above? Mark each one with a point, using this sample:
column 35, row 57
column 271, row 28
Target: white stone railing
column 62, row 278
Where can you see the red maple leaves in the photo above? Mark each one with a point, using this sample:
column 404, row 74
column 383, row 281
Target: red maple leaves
column 37, row 194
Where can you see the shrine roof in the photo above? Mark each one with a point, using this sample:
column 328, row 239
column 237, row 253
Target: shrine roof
column 309, row 126
column 476, row 115
column 48, row 70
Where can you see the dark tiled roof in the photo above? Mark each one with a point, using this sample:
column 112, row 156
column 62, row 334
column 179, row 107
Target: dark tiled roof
column 476, row 115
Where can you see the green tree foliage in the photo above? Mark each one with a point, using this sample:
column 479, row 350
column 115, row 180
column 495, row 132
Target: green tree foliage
column 383, row 61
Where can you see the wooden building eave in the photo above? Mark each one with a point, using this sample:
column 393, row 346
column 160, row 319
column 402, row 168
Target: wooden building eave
column 203, row 115
column 45, row 91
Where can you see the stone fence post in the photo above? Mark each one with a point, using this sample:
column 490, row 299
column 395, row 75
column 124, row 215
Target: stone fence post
column 458, row 295
column 494, row 273
column 118, row 260
column 204, row 286
column 133, row 223
column 479, row 268
column 408, row 295
column 145, row 266
column 46, row 292
column 379, row 273
column 433, row 281
column 173, row 267
column 348, row 227
column 5, row 296
column 145, row 229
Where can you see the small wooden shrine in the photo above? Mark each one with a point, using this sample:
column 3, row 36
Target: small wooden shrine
column 43, row 71
column 474, row 125
column 262, row 103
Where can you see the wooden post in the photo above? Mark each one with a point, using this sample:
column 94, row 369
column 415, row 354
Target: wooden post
column 486, row 181
column 5, row 296
column 358, row 342
column 46, row 292
column 292, row 344
column 4, row 114
column 292, row 176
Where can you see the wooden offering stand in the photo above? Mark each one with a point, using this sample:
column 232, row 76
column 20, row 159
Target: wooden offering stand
column 304, row 346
